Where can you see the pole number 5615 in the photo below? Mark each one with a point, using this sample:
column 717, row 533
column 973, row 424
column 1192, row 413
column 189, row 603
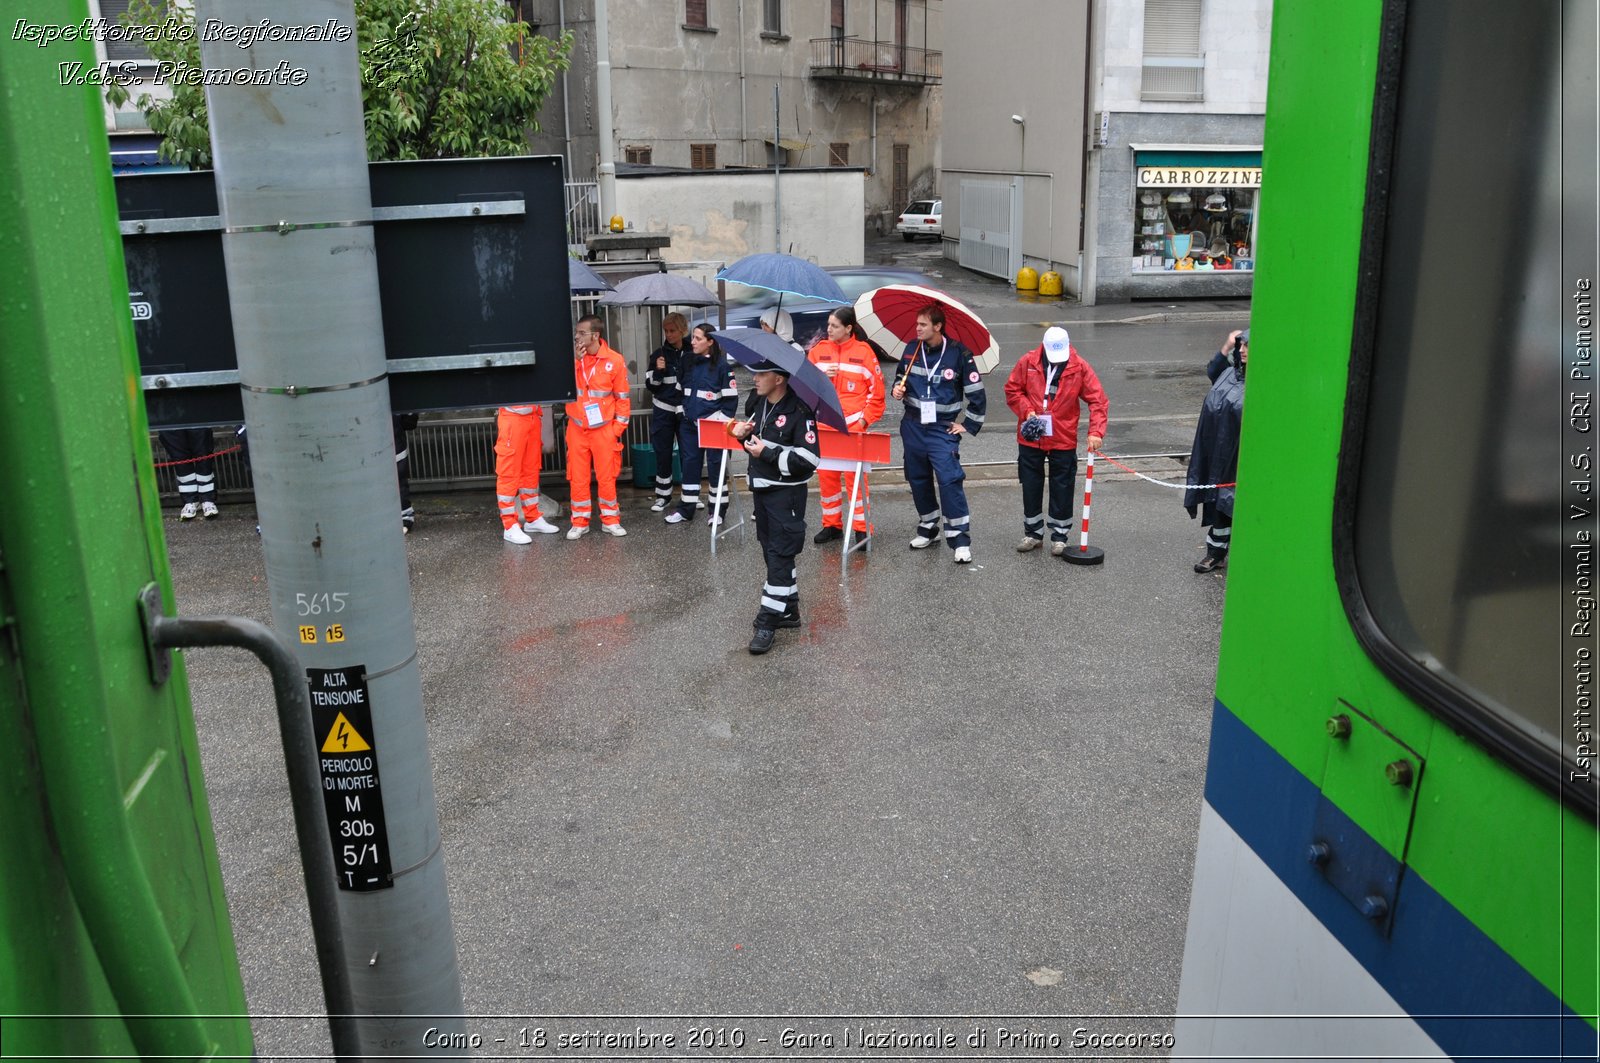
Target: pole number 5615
column 317, row 604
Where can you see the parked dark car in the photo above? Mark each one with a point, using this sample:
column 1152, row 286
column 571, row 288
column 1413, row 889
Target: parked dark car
column 811, row 315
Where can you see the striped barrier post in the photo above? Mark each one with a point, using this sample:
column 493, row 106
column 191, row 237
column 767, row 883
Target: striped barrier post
column 1086, row 554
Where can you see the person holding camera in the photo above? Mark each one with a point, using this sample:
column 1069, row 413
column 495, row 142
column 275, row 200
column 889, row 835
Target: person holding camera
column 1045, row 390
column 1214, row 459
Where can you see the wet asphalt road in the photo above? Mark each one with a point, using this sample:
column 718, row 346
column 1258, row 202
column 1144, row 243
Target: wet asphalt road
column 957, row 790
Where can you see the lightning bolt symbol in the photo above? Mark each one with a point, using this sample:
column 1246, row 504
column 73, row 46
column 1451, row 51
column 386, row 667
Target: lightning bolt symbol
column 344, row 738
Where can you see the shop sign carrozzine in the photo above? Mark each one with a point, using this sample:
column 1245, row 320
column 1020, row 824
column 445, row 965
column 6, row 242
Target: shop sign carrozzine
column 1199, row 176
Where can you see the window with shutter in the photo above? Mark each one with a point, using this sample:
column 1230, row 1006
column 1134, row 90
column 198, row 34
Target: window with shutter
column 702, row 156
column 772, row 16
column 118, row 50
column 1174, row 66
column 637, row 153
column 838, row 154
column 694, row 13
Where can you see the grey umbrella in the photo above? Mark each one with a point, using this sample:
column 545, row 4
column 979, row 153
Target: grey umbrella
column 659, row 289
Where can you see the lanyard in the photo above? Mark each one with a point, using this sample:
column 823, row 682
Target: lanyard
column 944, row 345
column 1051, row 381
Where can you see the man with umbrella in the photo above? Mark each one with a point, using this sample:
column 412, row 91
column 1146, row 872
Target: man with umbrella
column 938, row 379
column 781, row 439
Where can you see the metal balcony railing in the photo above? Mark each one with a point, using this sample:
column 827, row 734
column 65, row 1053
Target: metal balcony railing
column 854, row 59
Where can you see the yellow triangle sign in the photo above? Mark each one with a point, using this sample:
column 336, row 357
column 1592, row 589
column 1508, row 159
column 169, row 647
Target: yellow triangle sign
column 342, row 738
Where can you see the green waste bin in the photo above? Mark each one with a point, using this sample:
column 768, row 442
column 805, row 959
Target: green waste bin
column 644, row 465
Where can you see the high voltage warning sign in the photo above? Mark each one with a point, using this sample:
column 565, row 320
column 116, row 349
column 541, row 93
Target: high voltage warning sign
column 351, row 791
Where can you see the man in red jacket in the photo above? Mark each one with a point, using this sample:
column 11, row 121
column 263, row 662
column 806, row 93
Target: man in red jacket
column 1044, row 391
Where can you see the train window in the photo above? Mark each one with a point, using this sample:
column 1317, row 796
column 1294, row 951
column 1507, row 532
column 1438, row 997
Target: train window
column 1455, row 543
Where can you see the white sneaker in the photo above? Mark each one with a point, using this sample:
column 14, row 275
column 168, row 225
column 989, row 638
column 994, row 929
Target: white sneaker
column 190, row 511
column 516, row 535
column 1028, row 543
column 540, row 525
column 921, row 542
column 1058, row 549
column 675, row 517
column 208, row 510
column 714, row 521
column 659, row 504
column 614, row 529
column 963, row 555
column 577, row 531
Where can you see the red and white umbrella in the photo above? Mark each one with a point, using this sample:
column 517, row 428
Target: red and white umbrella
column 889, row 317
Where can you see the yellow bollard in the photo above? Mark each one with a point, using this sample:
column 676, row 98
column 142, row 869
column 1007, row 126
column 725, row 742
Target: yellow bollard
column 1050, row 283
column 1027, row 279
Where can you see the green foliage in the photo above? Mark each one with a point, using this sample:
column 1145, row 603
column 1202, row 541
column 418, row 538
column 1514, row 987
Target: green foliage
column 439, row 79
column 181, row 120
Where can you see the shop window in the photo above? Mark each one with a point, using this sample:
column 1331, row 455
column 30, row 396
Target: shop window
column 1195, row 210
column 702, row 156
column 838, row 154
column 637, row 153
column 1174, row 66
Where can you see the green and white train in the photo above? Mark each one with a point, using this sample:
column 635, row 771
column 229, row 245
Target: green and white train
column 1397, row 855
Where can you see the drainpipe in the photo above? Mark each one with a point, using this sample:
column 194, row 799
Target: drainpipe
column 777, row 165
column 744, row 123
column 566, row 115
column 608, row 151
column 1088, row 242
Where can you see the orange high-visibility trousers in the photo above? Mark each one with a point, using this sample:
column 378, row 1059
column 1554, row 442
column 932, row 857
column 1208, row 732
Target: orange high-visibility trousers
column 518, row 456
column 598, row 450
column 836, row 488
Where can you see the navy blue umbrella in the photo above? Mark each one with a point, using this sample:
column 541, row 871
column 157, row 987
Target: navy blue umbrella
column 751, row 347
column 583, row 280
column 785, row 275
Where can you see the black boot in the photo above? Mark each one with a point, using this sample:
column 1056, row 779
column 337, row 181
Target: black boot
column 1209, row 563
column 827, row 535
column 790, row 619
column 762, row 640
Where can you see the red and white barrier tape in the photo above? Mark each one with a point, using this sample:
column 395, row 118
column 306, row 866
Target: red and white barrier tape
column 1160, row 483
column 191, row 461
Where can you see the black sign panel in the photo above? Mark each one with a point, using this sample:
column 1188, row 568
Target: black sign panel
column 463, row 286
column 341, row 717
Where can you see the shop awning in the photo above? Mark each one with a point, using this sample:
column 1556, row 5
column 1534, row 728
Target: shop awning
column 1192, row 158
column 791, row 145
column 139, row 153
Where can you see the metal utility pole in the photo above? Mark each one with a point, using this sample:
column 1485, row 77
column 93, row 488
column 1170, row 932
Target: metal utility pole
column 296, row 213
column 777, row 167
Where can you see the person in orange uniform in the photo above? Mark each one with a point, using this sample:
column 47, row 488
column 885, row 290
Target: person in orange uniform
column 518, row 456
column 596, row 421
column 850, row 362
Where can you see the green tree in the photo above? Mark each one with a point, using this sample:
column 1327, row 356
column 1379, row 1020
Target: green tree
column 439, row 79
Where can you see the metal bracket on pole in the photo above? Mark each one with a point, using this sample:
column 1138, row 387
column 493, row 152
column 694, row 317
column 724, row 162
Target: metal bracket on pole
column 417, row 212
column 435, row 364
column 165, row 633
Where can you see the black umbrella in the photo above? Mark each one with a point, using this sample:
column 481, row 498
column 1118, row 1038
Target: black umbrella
column 751, row 347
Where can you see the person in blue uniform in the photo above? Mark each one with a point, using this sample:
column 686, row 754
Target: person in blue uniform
column 705, row 375
column 1214, row 459
column 781, row 439
column 943, row 392
column 666, row 394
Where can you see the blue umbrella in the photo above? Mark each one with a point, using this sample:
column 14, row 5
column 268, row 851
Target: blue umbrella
column 659, row 289
column 785, row 275
column 583, row 280
column 751, row 346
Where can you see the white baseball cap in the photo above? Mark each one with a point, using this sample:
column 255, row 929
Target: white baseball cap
column 1057, row 345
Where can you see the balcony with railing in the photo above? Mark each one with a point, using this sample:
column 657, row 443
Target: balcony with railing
column 854, row 59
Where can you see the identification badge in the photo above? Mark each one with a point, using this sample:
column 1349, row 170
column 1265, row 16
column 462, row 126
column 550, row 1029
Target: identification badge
column 929, row 414
column 1049, row 423
column 591, row 415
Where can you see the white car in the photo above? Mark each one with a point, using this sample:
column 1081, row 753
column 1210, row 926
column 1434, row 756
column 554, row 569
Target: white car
column 925, row 217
